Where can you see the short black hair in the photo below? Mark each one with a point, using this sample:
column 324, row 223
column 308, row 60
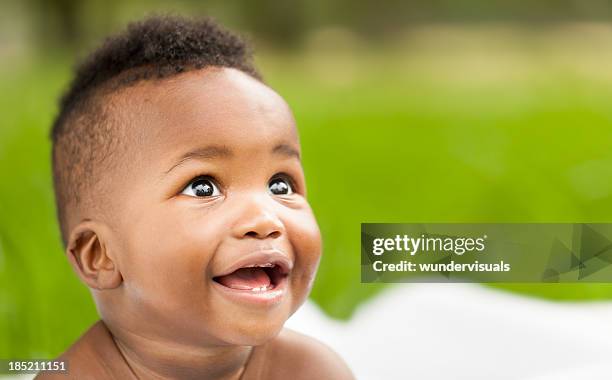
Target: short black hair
column 84, row 135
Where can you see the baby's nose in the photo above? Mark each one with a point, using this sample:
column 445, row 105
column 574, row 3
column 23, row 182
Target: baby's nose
column 258, row 220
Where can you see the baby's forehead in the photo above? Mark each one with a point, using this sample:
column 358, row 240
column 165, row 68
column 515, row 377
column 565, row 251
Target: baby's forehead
column 213, row 106
column 215, row 89
column 208, row 95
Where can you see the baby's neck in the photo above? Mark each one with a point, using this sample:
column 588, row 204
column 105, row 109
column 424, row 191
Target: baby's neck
column 157, row 359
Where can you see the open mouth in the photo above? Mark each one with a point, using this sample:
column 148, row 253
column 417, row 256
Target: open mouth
column 255, row 277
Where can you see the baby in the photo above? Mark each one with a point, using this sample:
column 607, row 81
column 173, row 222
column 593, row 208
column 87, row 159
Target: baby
column 182, row 205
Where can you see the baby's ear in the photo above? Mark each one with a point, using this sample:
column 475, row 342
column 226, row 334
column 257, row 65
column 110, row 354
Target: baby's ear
column 88, row 254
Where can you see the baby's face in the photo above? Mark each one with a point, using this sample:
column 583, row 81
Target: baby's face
column 212, row 232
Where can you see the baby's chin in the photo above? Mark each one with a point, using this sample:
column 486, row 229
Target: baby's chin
column 248, row 328
column 240, row 320
column 252, row 335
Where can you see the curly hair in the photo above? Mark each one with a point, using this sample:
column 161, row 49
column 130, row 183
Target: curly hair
column 84, row 135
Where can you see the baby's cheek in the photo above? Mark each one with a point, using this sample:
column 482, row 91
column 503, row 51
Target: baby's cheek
column 310, row 235
column 307, row 249
column 167, row 263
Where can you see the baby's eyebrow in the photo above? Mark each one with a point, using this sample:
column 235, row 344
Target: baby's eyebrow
column 217, row 151
column 206, row 153
column 286, row 150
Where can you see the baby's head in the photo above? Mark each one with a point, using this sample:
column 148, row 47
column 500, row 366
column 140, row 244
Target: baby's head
column 180, row 191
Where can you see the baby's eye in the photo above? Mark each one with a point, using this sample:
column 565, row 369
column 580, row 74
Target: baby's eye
column 201, row 187
column 280, row 186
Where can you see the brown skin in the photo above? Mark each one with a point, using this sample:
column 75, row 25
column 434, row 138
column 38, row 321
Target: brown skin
column 150, row 256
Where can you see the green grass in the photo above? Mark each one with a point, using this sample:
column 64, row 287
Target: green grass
column 465, row 132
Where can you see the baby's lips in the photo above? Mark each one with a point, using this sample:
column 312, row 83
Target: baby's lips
column 260, row 258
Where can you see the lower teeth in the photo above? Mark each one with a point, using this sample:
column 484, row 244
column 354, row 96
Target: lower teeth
column 261, row 289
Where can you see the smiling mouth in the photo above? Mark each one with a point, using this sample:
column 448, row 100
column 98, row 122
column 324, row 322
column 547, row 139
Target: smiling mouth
column 254, row 278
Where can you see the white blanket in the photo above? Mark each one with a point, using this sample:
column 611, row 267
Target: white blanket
column 467, row 331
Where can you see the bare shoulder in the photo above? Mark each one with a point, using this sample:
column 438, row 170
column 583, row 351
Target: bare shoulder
column 303, row 357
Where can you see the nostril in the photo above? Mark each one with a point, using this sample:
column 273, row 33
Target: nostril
column 254, row 234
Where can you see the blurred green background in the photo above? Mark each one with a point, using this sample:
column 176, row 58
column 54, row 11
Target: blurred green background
column 432, row 111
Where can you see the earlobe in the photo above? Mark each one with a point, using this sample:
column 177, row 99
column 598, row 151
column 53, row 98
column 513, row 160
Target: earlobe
column 89, row 256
